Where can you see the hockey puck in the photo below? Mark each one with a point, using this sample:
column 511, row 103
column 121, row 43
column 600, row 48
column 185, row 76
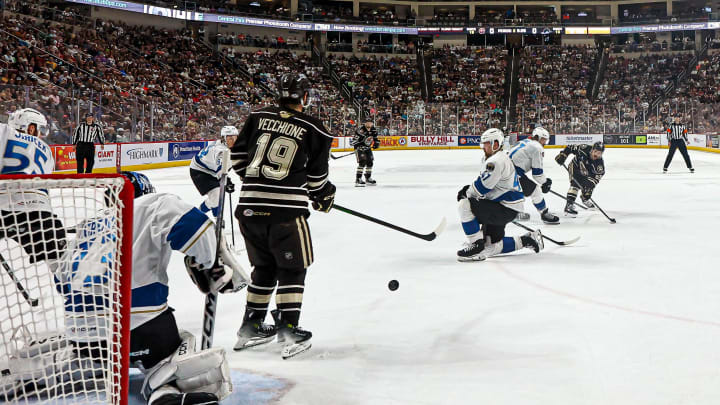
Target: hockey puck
column 393, row 285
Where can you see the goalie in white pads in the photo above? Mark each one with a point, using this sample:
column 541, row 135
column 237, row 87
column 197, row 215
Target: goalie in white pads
column 527, row 156
column 206, row 166
column 175, row 373
column 491, row 202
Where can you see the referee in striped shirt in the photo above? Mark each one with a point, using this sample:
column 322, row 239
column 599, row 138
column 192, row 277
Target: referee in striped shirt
column 84, row 141
column 677, row 139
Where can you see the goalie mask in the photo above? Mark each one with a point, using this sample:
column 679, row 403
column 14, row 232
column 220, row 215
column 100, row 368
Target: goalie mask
column 140, row 182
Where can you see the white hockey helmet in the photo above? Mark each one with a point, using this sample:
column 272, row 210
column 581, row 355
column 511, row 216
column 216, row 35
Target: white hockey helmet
column 492, row 135
column 20, row 120
column 228, row 130
column 541, row 133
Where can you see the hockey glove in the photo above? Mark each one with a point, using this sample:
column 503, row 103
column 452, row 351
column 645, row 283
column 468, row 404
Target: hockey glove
column 323, row 199
column 462, row 194
column 560, row 158
column 229, row 186
column 546, row 186
column 218, row 278
column 376, row 144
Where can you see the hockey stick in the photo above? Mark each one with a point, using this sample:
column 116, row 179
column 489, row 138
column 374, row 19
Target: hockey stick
column 565, row 198
column 612, row 220
column 427, row 236
column 232, row 227
column 341, row 156
column 561, row 243
column 32, row 301
column 211, row 298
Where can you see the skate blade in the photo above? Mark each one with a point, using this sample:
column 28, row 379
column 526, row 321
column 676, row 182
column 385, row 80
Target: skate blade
column 551, row 223
column 294, row 349
column 371, row 184
column 239, row 346
column 359, row 185
column 477, row 258
column 568, row 215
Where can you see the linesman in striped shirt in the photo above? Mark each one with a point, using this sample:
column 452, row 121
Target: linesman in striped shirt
column 677, row 139
column 282, row 156
column 84, row 140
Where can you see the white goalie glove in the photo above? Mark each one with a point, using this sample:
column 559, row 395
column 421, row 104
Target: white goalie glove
column 227, row 276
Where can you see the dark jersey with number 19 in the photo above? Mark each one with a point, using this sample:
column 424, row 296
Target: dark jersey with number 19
column 282, row 156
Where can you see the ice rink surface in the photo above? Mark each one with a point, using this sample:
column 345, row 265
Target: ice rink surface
column 630, row 314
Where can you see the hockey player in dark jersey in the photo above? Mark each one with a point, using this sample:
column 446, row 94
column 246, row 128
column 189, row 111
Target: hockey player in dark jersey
column 586, row 170
column 282, row 156
column 364, row 141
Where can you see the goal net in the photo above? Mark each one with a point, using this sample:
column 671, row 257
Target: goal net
column 65, row 280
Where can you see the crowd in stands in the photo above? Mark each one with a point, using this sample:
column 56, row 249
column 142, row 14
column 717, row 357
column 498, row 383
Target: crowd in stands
column 552, row 84
column 256, row 41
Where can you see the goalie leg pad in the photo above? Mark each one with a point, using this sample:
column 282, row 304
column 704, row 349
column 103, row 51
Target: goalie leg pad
column 190, row 371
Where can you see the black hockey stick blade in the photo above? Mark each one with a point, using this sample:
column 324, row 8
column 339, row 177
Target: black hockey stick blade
column 564, row 198
column 424, row 236
column 561, row 243
column 341, row 156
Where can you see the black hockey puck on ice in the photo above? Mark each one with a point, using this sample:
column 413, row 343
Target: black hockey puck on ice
column 393, row 285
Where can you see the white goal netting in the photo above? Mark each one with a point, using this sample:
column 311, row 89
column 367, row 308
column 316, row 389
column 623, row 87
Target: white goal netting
column 64, row 289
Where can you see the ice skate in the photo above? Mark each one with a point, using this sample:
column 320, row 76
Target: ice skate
column 570, row 210
column 522, row 216
column 359, row 182
column 294, row 339
column 473, row 252
column 549, row 218
column 533, row 240
column 254, row 332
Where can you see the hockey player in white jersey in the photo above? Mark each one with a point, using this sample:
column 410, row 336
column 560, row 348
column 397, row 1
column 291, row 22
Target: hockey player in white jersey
column 23, row 152
column 175, row 373
column 206, row 166
column 527, row 156
column 490, row 202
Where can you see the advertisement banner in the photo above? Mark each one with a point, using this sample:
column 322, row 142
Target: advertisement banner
column 393, row 141
column 143, row 153
column 697, row 140
column 335, row 143
column 654, row 139
column 422, row 141
column 185, row 150
column 714, row 141
column 578, row 139
column 64, row 157
column 469, row 141
column 625, row 139
column 105, row 156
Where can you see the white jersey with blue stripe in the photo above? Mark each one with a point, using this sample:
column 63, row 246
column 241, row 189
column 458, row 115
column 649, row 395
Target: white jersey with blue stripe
column 24, row 154
column 527, row 156
column 161, row 223
column 499, row 182
column 209, row 159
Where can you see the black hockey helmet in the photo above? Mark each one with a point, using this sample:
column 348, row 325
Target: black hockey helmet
column 140, row 182
column 599, row 146
column 293, row 88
